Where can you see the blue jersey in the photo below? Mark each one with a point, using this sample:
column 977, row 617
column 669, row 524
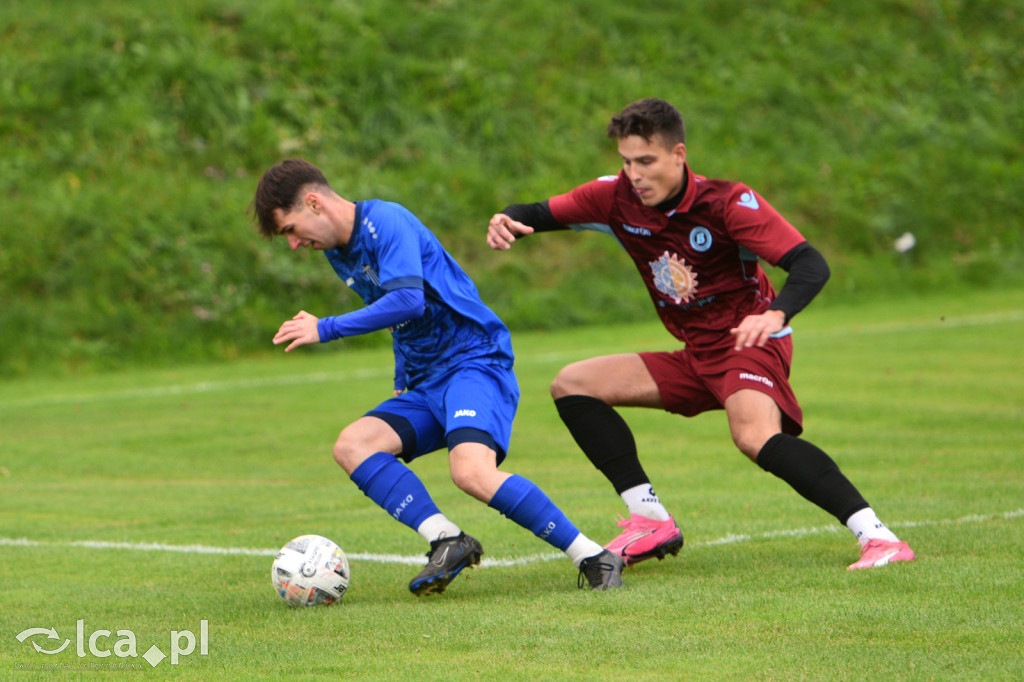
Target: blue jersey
column 391, row 249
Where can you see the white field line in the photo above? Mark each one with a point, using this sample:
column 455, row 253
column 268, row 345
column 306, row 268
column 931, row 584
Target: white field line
column 487, row 562
column 536, row 359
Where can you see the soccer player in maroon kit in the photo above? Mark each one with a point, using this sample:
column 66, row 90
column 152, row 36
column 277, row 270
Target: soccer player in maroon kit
column 696, row 243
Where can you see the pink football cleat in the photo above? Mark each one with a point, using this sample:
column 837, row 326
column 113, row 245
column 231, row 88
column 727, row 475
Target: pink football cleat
column 875, row 553
column 644, row 538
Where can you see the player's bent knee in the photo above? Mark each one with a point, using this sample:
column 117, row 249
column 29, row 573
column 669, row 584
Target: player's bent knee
column 362, row 439
column 344, row 454
column 480, row 482
column 569, row 381
column 349, row 452
column 470, row 482
column 750, row 444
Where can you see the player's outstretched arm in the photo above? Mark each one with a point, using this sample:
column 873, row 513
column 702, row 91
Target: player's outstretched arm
column 300, row 330
column 502, row 231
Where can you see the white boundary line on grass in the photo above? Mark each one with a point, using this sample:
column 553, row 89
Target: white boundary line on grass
column 383, row 372
column 487, row 562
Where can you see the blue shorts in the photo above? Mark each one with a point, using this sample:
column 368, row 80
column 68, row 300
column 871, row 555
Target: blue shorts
column 474, row 403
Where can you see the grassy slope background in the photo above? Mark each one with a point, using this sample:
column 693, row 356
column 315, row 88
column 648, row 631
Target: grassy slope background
column 133, row 134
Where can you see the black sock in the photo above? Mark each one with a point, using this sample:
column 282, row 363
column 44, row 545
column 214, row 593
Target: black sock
column 812, row 473
column 605, row 438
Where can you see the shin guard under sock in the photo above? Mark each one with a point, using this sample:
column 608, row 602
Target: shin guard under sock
column 812, row 473
column 395, row 488
column 605, row 438
column 526, row 504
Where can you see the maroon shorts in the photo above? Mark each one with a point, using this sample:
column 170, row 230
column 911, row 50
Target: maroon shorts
column 694, row 382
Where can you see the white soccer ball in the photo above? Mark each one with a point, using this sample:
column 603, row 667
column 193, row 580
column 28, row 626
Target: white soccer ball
column 310, row 570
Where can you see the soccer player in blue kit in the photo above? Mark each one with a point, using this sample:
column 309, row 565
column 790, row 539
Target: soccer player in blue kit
column 454, row 383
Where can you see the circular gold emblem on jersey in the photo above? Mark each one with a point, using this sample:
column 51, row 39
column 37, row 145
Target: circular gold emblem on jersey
column 674, row 278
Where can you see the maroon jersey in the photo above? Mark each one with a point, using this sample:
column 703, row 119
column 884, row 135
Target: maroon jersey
column 699, row 261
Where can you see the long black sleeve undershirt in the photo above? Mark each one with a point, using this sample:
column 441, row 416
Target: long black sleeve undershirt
column 538, row 216
column 808, row 272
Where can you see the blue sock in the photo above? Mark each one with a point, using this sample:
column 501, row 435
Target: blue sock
column 395, row 488
column 526, row 504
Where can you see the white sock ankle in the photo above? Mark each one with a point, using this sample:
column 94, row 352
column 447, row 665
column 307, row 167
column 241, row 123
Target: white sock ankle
column 581, row 548
column 433, row 527
column 642, row 500
column 866, row 526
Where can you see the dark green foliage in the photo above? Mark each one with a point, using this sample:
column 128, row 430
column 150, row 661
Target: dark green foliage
column 133, row 135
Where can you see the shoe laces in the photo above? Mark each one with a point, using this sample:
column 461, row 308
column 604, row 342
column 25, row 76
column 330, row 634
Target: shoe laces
column 592, row 564
column 434, row 544
column 869, row 545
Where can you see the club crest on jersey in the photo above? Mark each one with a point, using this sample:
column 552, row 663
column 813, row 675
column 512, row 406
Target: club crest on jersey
column 674, row 278
column 700, row 239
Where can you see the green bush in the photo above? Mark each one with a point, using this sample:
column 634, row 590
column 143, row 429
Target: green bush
column 134, row 134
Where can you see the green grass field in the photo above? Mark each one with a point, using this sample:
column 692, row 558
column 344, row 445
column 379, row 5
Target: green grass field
column 151, row 503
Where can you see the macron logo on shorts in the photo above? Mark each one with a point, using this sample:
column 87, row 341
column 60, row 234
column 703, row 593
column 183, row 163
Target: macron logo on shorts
column 753, row 377
column 465, row 413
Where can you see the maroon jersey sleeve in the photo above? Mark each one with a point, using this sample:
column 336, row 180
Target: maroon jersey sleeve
column 754, row 224
column 588, row 203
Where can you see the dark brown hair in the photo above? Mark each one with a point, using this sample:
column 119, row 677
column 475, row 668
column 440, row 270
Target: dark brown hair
column 647, row 118
column 281, row 188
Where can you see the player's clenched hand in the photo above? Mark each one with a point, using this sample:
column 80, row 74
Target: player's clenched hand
column 757, row 329
column 300, row 330
column 502, row 231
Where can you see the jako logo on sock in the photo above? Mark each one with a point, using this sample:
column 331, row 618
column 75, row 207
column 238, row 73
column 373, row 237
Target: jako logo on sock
column 547, row 531
column 401, row 508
